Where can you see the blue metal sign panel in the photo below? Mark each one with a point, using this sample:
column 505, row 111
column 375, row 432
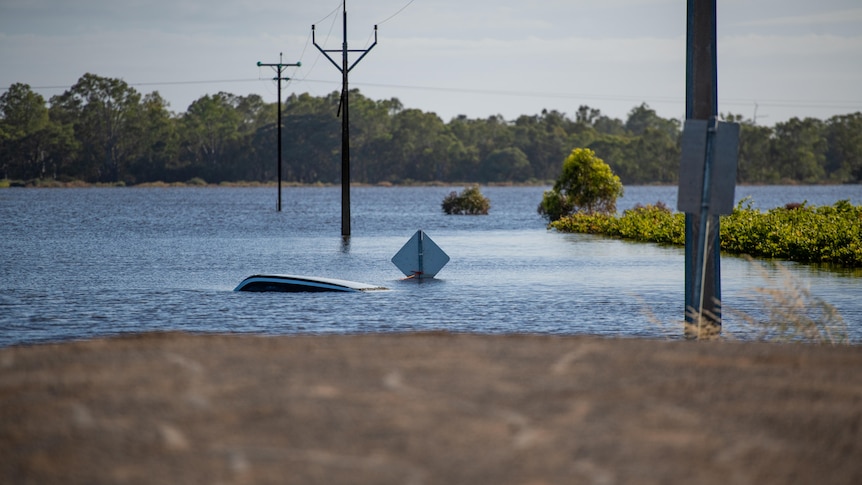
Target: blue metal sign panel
column 420, row 257
column 723, row 145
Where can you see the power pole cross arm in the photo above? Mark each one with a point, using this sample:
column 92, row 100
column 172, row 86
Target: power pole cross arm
column 334, row 63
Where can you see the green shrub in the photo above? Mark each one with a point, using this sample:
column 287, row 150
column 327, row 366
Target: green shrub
column 470, row 201
column 586, row 184
column 196, row 181
column 650, row 223
column 827, row 234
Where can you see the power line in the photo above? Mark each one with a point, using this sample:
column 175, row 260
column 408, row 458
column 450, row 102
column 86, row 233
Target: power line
column 336, row 9
column 311, row 37
column 396, row 13
column 775, row 103
column 156, row 83
column 763, row 103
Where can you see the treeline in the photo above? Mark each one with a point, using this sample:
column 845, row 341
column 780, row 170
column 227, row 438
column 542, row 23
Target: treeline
column 103, row 130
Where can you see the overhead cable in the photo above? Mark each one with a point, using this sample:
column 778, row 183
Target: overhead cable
column 396, row 13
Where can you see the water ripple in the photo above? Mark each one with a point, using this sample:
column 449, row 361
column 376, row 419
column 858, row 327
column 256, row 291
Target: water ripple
column 84, row 263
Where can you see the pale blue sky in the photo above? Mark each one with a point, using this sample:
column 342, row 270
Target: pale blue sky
column 479, row 58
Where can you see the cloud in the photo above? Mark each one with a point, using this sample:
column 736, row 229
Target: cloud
column 853, row 15
column 795, row 51
column 550, row 53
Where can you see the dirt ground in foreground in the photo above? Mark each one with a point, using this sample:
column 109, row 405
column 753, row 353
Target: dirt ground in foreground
column 430, row 408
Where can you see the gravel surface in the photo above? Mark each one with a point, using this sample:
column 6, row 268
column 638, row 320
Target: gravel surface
column 428, row 408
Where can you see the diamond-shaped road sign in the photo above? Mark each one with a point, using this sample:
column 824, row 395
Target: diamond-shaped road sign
column 420, row 257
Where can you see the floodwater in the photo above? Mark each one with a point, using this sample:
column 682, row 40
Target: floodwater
column 83, row 263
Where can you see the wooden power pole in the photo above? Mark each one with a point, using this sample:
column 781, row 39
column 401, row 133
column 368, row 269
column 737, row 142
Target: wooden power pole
column 343, row 110
column 279, row 69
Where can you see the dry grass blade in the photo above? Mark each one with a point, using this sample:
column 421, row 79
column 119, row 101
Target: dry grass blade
column 704, row 325
column 791, row 313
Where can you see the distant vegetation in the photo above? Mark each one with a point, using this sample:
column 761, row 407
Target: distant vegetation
column 798, row 232
column 101, row 130
column 469, row 202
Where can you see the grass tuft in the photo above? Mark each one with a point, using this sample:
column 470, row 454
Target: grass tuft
column 791, row 313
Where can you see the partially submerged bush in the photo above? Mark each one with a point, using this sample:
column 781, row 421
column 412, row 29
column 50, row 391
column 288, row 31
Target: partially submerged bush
column 806, row 234
column 470, row 201
column 586, row 185
column 649, row 223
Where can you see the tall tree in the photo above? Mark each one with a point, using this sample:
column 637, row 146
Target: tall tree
column 615, row 151
column 799, row 150
column 466, row 166
column 602, row 124
column 505, row 165
column 545, row 140
column 643, row 117
column 102, row 130
column 158, row 138
column 254, row 113
column 104, row 113
column 420, row 142
column 31, row 144
column 210, row 131
column 755, row 160
column 656, row 154
column 23, row 115
column 312, row 138
column 844, row 152
column 370, row 130
column 22, row 111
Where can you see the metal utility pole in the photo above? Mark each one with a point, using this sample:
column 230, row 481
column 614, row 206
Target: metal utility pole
column 279, row 68
column 707, row 174
column 343, row 110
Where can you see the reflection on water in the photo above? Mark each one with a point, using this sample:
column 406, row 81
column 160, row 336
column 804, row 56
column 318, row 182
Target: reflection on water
column 79, row 263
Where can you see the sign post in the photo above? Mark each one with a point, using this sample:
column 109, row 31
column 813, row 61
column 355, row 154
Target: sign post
column 707, row 174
